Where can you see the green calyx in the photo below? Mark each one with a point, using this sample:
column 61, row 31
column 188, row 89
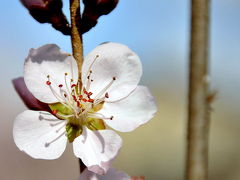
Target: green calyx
column 60, row 109
column 74, row 127
column 73, row 131
column 95, row 124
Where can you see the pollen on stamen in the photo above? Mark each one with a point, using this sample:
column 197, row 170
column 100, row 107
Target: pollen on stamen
column 106, row 95
column 66, row 74
column 85, row 92
column 73, row 85
column 55, row 112
column 48, row 83
column 111, row 118
column 90, row 93
column 74, row 98
column 47, row 144
column 91, row 100
column 114, row 78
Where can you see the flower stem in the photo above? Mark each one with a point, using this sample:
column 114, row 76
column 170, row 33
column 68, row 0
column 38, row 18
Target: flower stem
column 76, row 36
column 77, row 45
column 198, row 106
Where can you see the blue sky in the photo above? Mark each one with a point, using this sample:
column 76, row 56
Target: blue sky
column 146, row 28
column 158, row 30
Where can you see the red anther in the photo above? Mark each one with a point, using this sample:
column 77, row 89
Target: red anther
column 84, row 100
column 74, row 97
column 73, row 85
column 78, row 103
column 65, row 95
column 91, row 100
column 60, row 85
column 55, row 112
column 90, row 93
column 85, row 92
column 106, row 95
column 48, row 83
column 80, row 97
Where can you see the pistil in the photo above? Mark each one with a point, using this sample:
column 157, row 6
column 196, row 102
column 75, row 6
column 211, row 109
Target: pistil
column 80, row 105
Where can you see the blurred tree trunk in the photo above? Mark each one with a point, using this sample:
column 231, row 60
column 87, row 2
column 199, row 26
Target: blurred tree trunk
column 198, row 105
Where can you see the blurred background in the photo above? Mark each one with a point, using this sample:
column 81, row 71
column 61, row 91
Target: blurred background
column 158, row 30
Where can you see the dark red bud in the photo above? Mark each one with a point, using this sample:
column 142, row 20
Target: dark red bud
column 102, row 6
column 48, row 11
column 29, row 100
column 93, row 10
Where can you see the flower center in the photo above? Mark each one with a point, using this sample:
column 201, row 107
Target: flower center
column 78, row 105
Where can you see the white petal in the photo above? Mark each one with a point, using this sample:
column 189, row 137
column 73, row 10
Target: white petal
column 97, row 149
column 44, row 61
column 115, row 60
column 32, row 131
column 112, row 174
column 138, row 108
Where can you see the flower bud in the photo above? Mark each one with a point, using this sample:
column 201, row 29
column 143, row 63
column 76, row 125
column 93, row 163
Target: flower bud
column 103, row 7
column 93, row 10
column 48, row 11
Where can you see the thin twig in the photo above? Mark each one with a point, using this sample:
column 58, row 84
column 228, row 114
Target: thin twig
column 76, row 37
column 77, row 45
column 198, row 106
column 81, row 165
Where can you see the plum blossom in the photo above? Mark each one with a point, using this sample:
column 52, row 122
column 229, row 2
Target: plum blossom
column 111, row 174
column 81, row 105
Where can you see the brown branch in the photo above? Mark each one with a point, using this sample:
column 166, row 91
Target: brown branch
column 77, row 45
column 81, row 165
column 198, row 106
column 76, row 37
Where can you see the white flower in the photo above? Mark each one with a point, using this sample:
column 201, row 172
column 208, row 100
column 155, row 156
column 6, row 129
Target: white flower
column 112, row 174
column 108, row 95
